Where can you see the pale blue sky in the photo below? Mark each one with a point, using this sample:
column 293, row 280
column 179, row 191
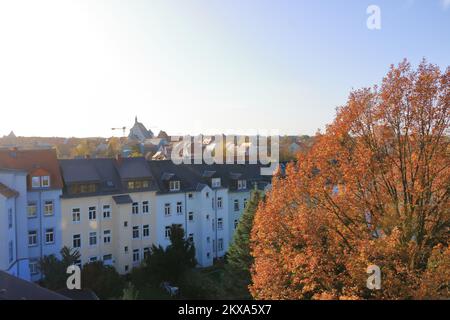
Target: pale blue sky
column 78, row 68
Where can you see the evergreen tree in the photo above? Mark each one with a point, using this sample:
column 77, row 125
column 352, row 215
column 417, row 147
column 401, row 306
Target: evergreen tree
column 239, row 260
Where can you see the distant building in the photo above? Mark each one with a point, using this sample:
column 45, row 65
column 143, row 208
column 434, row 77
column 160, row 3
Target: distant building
column 139, row 132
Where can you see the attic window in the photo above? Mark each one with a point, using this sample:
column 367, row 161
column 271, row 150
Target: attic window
column 215, row 182
column 40, row 182
column 174, row 185
column 242, row 184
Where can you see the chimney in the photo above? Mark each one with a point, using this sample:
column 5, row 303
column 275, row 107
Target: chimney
column 119, row 159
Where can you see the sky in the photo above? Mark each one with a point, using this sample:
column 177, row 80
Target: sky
column 78, row 68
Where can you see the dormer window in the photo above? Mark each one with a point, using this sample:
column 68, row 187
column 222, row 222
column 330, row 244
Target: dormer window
column 242, row 184
column 215, row 182
column 45, row 182
column 40, row 182
column 174, row 185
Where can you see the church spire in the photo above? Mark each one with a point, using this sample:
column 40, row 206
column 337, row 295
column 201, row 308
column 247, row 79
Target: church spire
column 135, row 119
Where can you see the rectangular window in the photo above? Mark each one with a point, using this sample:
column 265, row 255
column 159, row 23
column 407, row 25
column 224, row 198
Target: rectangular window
column 92, row 213
column 179, row 208
column 215, row 182
column 106, row 211
column 32, row 238
column 36, row 182
column 219, row 224
column 33, row 267
column 32, row 210
column 242, row 184
column 10, row 218
column 76, row 241
column 235, row 223
column 76, row 215
column 145, row 207
column 219, row 202
column 174, row 185
column 125, row 249
column 136, row 257
column 93, row 238
column 146, row 230
column 45, row 182
column 107, row 259
column 191, row 216
column 93, row 259
column 236, row 205
column 131, row 185
column 135, row 208
column 136, row 232
column 49, row 236
column 190, row 195
column 107, row 236
column 167, row 232
column 146, row 252
column 167, row 209
column 191, row 237
column 220, row 244
column 11, row 251
column 48, row 208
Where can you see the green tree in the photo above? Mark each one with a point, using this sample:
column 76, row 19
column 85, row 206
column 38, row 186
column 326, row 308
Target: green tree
column 103, row 280
column 53, row 270
column 239, row 260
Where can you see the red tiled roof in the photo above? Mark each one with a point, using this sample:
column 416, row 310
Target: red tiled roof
column 31, row 161
column 8, row 192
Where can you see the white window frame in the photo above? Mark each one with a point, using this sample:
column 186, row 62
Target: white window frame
column 145, row 207
column 136, row 232
column 135, row 208
column 216, row 183
column 146, row 230
column 174, row 185
column 107, row 234
column 92, row 213
column 167, row 209
column 45, row 181
column 32, row 238
column 49, row 207
column 93, row 235
column 179, row 207
column 78, row 238
column 50, row 232
column 32, row 204
column 106, row 211
column 76, row 212
column 167, row 232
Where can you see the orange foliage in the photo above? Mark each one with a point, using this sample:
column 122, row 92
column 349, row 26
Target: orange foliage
column 374, row 189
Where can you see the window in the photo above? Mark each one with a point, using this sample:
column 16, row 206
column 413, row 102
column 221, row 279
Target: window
column 32, row 238
column 135, row 208
column 76, row 241
column 92, row 213
column 145, row 207
column 167, row 232
column 76, row 216
column 93, row 259
column 136, row 255
column 236, row 222
column 190, row 195
column 48, row 208
column 126, row 268
column 219, row 224
column 106, row 211
column 208, row 240
column 125, row 249
column 135, row 232
column 10, row 218
column 146, row 252
column 220, row 244
column 35, row 182
column 242, row 184
column 125, row 224
column 179, row 208
column 130, row 184
column 93, row 238
column 49, row 236
column 191, row 237
column 219, row 202
column 191, row 216
column 245, row 203
column 207, row 217
column 11, row 251
column 174, row 185
column 107, row 236
column 107, row 259
column 32, row 210
column 167, row 209
column 208, row 255
column 215, row 182
column 146, row 230
column 33, row 267
column 207, row 194
column 236, row 205
column 45, row 182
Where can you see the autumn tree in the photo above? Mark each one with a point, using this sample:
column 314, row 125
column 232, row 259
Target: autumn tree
column 373, row 190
